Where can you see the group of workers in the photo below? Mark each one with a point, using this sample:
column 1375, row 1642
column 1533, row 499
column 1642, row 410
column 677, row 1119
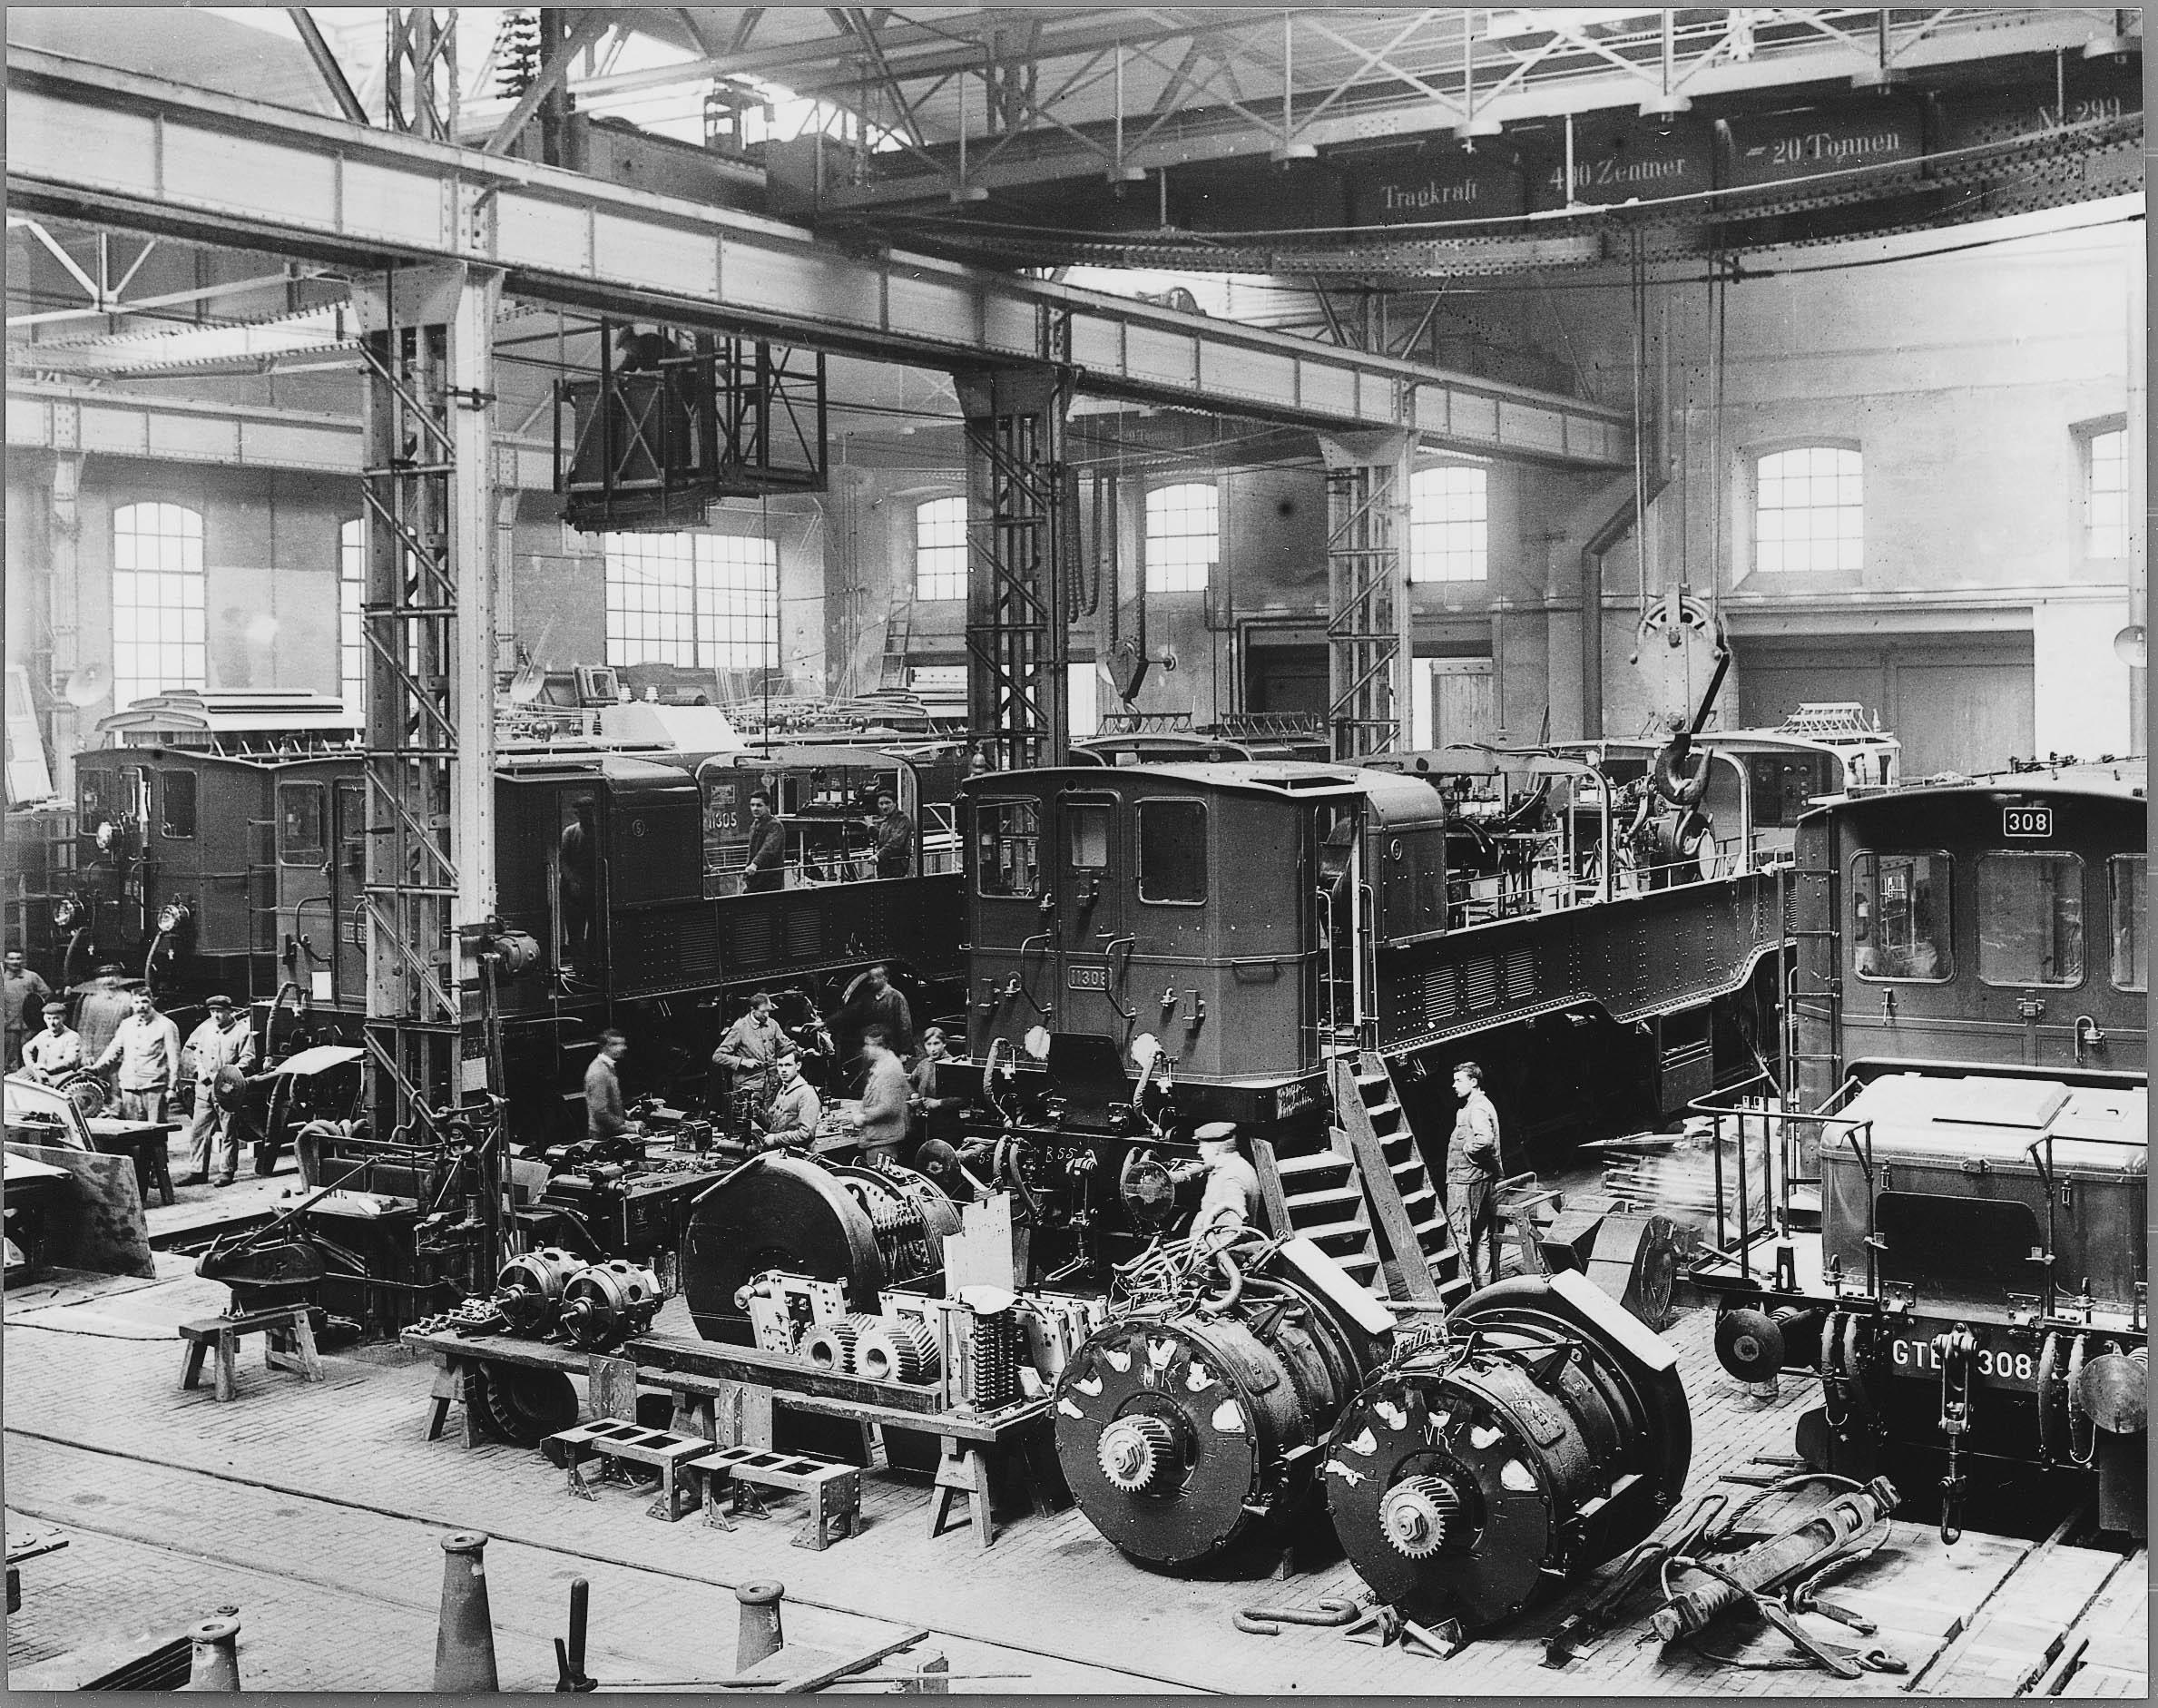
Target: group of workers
column 121, row 1033
column 891, row 843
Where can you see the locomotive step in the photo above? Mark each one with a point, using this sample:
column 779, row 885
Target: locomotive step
column 1327, row 1204
column 1355, row 1232
column 1314, row 1162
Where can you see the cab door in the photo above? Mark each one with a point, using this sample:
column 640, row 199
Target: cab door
column 1091, row 926
column 349, row 829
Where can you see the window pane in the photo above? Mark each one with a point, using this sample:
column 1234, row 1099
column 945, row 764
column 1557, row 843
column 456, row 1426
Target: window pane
column 2126, row 876
column 178, row 790
column 1183, row 537
column 2030, row 918
column 352, row 646
column 157, row 601
column 1899, row 921
column 301, row 814
column 1448, row 525
column 1008, row 835
column 1808, row 510
column 1090, row 837
column 940, row 549
column 1171, row 850
column 2105, row 495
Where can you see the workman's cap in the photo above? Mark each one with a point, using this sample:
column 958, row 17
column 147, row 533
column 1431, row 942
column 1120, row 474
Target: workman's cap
column 217, row 1002
column 52, row 1003
column 1217, row 1132
column 757, row 996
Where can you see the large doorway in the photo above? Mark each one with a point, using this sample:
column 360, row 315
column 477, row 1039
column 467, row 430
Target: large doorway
column 1958, row 703
column 1291, row 678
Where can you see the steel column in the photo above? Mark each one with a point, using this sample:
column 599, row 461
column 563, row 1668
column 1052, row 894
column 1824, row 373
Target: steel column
column 1018, row 639
column 419, row 72
column 1370, row 648
column 429, row 623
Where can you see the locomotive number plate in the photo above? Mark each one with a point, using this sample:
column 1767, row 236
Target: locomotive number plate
column 1089, row 979
column 1997, row 1365
column 2030, row 824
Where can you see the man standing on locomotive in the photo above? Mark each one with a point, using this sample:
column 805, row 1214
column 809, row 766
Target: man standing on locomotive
column 51, row 1055
column 225, row 1040
column 147, row 1048
column 934, row 1107
column 25, row 997
column 894, row 834
column 1473, row 1169
column 766, row 866
column 881, row 1118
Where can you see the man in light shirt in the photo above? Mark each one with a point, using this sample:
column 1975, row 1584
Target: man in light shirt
column 51, row 1055
column 223, row 1040
column 795, row 1108
column 147, row 1048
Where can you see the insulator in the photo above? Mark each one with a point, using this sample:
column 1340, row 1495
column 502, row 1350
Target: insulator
column 1470, row 1479
column 899, row 1350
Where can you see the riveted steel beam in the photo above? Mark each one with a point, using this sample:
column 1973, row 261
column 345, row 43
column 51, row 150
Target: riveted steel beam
column 145, row 155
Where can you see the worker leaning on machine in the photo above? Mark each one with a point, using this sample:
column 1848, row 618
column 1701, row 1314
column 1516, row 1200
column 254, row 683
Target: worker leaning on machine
column 1229, row 1201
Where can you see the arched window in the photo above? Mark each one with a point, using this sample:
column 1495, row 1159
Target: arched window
column 940, row 548
column 1183, row 537
column 157, row 601
column 1449, row 528
column 352, row 644
column 1808, row 510
column 703, row 600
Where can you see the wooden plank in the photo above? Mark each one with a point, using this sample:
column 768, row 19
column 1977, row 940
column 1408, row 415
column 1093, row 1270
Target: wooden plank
column 675, row 1355
column 2024, row 1625
column 1270, row 1195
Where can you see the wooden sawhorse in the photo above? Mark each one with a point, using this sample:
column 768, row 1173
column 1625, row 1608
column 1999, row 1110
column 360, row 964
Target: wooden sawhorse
column 289, row 1344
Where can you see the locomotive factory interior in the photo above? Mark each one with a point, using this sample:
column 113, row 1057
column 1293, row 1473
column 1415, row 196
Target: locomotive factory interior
column 1070, row 851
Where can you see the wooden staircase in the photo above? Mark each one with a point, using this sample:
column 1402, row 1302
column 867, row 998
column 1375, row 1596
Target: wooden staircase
column 1366, row 1198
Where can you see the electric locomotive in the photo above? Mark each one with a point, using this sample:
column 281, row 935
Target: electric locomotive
column 1967, row 1051
column 222, row 847
column 1155, row 946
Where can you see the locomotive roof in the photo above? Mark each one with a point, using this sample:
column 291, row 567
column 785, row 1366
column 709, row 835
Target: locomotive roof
column 199, row 711
column 1398, row 798
column 2116, row 780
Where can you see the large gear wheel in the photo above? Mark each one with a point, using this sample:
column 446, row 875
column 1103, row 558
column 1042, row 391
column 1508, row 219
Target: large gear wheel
column 519, row 1406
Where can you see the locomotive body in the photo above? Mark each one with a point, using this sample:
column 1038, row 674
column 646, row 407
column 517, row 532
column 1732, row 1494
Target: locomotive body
column 1236, row 931
column 223, row 849
column 1970, row 1106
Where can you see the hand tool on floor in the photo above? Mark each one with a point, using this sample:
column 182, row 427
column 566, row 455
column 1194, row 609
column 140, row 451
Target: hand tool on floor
column 1267, row 1621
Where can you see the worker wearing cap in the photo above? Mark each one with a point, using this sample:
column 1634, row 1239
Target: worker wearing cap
column 892, row 834
column 25, row 997
column 51, row 1055
column 751, row 1045
column 223, row 1040
column 1231, row 1198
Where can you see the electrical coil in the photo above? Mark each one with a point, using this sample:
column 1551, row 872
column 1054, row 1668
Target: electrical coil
column 995, row 1361
column 899, row 1350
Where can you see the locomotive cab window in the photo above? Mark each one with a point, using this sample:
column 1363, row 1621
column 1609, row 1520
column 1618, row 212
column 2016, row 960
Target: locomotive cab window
column 302, row 825
column 2030, row 918
column 2125, row 875
column 1899, row 917
column 1008, row 835
column 1089, row 822
column 178, row 790
column 1172, row 852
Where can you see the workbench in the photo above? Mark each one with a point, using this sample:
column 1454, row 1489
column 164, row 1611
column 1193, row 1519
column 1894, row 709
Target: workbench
column 730, row 1395
column 144, row 1142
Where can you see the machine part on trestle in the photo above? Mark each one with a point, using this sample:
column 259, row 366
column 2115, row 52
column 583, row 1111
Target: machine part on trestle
column 1546, row 1434
column 605, row 1303
column 1183, row 1432
column 865, row 1228
column 899, row 1350
column 829, row 1346
column 520, row 1406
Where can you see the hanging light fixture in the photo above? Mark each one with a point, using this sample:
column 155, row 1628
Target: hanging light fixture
column 1472, row 125
column 1665, row 106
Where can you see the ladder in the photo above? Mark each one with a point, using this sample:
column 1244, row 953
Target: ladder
column 899, row 635
column 1365, row 1197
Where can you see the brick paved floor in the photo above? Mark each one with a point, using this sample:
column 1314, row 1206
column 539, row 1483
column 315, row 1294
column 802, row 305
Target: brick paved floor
column 317, row 1508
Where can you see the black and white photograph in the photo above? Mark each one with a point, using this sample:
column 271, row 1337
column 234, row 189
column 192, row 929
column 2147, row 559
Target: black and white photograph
column 1079, row 851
